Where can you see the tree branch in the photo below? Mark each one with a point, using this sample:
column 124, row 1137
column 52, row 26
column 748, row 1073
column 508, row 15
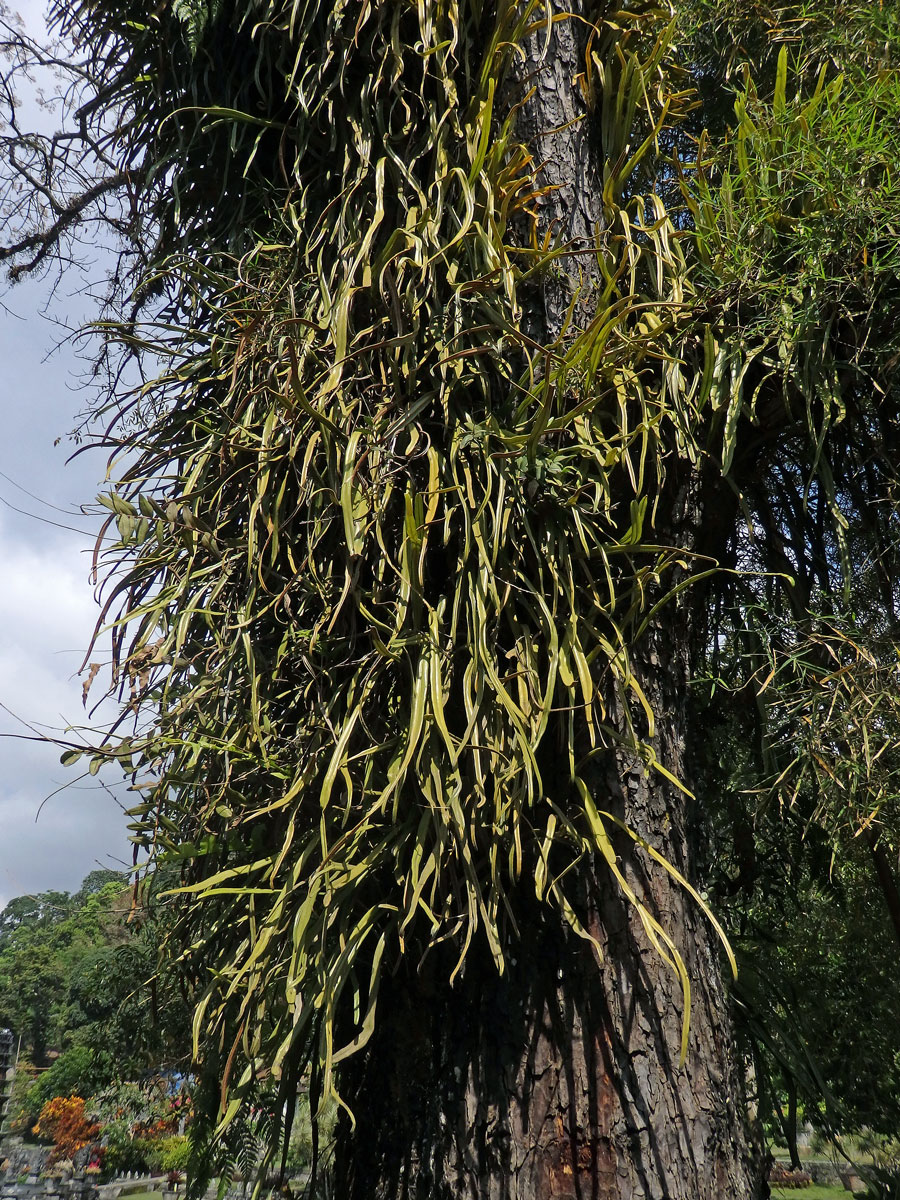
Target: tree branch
column 45, row 240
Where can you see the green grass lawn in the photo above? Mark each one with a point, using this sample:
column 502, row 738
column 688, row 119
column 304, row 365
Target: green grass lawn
column 811, row 1193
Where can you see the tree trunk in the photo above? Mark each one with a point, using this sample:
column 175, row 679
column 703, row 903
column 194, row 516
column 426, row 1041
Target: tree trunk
column 561, row 1078
column 885, row 875
column 793, row 1148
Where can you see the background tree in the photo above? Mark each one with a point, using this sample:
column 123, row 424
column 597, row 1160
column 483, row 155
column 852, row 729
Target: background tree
column 815, row 1011
column 464, row 455
column 80, row 982
column 42, row 940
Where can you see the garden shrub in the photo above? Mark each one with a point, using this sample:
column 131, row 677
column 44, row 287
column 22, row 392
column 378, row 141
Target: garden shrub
column 784, row 1177
column 168, row 1153
column 63, row 1122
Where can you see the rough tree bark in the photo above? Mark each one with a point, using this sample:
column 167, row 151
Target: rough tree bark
column 561, row 1079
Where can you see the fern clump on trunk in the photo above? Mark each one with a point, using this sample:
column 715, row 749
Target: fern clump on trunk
column 419, row 543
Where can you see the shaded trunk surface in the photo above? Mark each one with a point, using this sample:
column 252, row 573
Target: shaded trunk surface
column 885, row 874
column 561, row 1078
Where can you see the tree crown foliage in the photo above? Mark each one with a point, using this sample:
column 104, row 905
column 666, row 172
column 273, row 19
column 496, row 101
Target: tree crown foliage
column 80, row 977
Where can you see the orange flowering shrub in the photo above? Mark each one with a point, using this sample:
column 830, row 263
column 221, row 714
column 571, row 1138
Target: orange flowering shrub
column 62, row 1120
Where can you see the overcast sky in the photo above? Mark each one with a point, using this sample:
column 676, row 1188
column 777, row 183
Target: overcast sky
column 47, row 609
